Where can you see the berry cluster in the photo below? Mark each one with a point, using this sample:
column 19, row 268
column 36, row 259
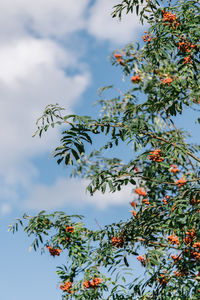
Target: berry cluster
column 140, row 192
column 194, row 201
column 67, row 287
column 173, row 239
column 162, row 279
column 69, row 229
column 170, row 19
column 186, row 47
column 181, row 182
column 119, row 59
column 118, row 242
column 181, row 273
column 165, row 200
column 136, row 78
column 167, row 80
column 142, row 260
column 146, row 37
column 93, row 283
column 193, row 254
column 54, row 251
column 156, row 155
column 174, row 169
column 176, row 258
column 145, row 201
column 187, row 59
column 197, row 245
column 190, row 235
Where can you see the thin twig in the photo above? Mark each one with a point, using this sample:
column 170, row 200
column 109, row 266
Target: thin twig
column 98, row 224
column 157, row 181
column 156, row 243
column 178, row 133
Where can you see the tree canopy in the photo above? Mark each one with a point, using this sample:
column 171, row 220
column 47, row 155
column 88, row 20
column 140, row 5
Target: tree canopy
column 163, row 231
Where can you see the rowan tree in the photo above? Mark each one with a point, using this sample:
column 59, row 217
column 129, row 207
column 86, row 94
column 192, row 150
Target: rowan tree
column 163, row 230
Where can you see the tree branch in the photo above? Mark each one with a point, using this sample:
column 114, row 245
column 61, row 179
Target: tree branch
column 150, row 134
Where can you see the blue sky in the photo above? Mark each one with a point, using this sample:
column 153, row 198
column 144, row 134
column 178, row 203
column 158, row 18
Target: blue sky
column 51, row 52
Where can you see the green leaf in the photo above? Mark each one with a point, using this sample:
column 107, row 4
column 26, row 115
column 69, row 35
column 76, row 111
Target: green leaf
column 104, row 88
column 75, row 154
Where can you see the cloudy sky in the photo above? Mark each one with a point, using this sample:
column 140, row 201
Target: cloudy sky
column 51, row 51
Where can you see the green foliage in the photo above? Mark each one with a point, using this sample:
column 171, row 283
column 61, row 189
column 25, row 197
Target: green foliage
column 165, row 226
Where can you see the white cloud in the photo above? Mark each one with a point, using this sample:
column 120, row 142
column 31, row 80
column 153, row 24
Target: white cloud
column 60, row 18
column 33, row 74
column 30, row 85
column 71, row 192
column 22, row 57
column 36, row 70
column 102, row 26
column 42, row 17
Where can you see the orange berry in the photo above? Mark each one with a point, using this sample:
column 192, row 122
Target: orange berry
column 93, row 283
column 187, row 59
column 162, row 279
column 121, row 62
column 167, row 80
column 164, row 201
column 117, row 56
column 176, row 258
column 86, row 284
column 54, row 251
column 173, row 239
column 133, row 203
column 173, row 208
column 174, row 169
column 118, row 242
column 142, row 260
column 189, row 236
column 136, row 78
column 181, row 182
column 145, row 201
column 156, row 155
column 134, row 213
column 69, row 229
column 140, row 192
column 66, row 287
column 170, row 18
